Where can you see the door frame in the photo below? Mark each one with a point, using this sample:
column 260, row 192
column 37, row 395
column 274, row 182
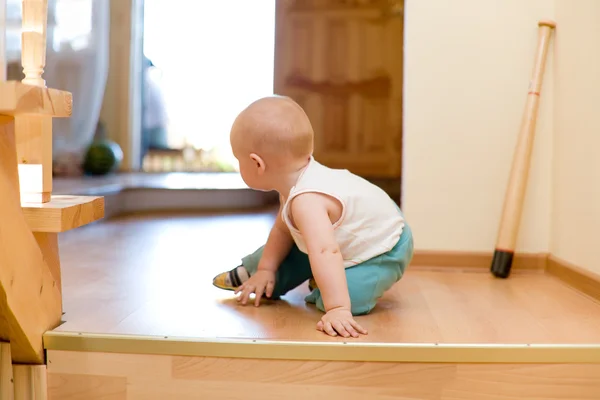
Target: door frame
column 399, row 7
column 122, row 104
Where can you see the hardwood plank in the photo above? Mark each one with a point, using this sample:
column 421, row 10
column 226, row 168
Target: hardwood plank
column 18, row 98
column 537, row 381
column 152, row 275
column 584, row 281
column 48, row 244
column 551, row 298
column 149, row 377
column 475, row 307
column 63, row 213
column 89, row 387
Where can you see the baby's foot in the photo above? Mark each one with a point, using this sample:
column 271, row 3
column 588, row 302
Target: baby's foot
column 231, row 280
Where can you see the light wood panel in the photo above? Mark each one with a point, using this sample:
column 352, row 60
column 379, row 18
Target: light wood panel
column 17, row 98
column 8, row 147
column 77, row 375
column 63, row 213
column 48, row 244
column 152, row 276
column 34, row 154
column 342, row 62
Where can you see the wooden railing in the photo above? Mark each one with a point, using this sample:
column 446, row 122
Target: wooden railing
column 30, row 216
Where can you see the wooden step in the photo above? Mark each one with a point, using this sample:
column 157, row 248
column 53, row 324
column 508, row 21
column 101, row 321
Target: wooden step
column 63, row 213
column 17, row 98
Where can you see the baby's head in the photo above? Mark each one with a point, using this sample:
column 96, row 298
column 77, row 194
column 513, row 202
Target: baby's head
column 271, row 138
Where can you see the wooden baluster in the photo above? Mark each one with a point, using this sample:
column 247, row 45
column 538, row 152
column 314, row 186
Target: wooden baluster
column 3, row 63
column 33, row 48
column 34, row 133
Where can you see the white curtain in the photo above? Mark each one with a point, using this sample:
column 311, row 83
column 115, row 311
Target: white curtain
column 76, row 61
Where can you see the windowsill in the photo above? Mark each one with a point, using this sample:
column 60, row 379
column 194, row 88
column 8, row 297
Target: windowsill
column 128, row 193
column 100, row 185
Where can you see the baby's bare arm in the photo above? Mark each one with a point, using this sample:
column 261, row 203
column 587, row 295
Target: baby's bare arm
column 311, row 213
column 277, row 247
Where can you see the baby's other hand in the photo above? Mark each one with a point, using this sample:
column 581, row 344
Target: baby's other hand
column 262, row 282
column 339, row 321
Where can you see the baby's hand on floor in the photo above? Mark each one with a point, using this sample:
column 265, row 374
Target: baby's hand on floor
column 262, row 282
column 339, row 321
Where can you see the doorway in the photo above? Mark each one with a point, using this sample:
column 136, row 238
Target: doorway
column 342, row 61
column 201, row 67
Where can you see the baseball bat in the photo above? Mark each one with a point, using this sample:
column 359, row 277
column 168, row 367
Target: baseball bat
column 519, row 173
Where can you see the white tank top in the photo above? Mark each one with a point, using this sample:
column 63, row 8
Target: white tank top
column 371, row 223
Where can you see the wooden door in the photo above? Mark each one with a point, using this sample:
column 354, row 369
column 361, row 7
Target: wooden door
column 341, row 60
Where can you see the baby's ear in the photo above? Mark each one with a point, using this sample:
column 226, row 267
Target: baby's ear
column 259, row 162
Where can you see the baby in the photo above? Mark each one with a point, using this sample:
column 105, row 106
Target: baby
column 333, row 228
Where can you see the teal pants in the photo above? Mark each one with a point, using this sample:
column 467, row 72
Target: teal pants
column 367, row 281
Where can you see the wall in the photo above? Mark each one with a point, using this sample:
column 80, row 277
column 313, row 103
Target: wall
column 576, row 167
column 467, row 68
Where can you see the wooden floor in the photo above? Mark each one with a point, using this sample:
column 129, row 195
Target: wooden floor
column 152, row 275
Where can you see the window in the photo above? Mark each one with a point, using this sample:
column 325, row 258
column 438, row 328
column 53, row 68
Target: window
column 69, row 26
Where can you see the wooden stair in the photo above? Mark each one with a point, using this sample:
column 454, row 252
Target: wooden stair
column 30, row 217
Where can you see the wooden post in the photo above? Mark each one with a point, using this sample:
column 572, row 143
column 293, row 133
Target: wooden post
column 6, row 373
column 34, row 133
column 30, row 299
column 30, row 382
